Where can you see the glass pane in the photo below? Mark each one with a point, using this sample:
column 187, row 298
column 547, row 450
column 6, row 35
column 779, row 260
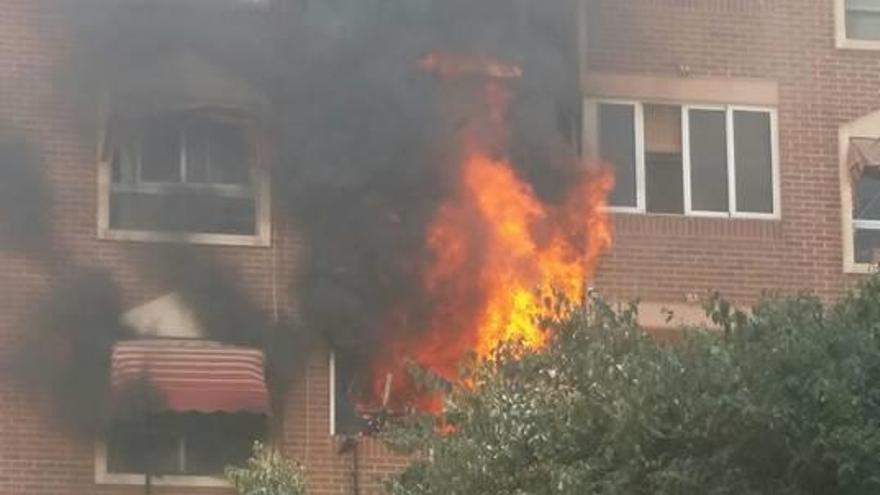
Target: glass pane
column 754, row 161
column 617, row 145
column 183, row 211
column 708, row 143
column 197, row 142
column 229, row 155
column 863, row 24
column 866, row 204
column 867, row 246
column 664, row 191
column 160, row 152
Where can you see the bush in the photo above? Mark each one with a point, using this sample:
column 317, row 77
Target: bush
column 782, row 401
column 267, row 473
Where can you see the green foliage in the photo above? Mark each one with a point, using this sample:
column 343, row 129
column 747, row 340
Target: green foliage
column 784, row 401
column 267, row 473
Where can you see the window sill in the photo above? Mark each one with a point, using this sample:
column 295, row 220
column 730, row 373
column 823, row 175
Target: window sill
column 853, row 44
column 694, row 215
column 261, row 240
column 860, row 268
column 178, row 481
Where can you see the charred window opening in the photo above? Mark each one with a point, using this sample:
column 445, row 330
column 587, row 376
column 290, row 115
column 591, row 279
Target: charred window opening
column 347, row 419
column 186, row 172
column 182, row 443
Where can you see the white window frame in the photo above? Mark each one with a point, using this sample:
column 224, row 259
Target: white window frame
column 260, row 192
column 332, row 370
column 841, row 38
column 591, row 127
column 868, row 126
column 103, row 477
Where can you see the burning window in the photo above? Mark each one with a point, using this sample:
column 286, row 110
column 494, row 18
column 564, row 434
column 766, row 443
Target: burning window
column 686, row 159
column 183, row 172
column 190, row 444
column 346, row 420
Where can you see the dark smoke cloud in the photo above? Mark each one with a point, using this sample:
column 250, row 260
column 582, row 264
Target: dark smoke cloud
column 24, row 196
column 367, row 147
column 66, row 352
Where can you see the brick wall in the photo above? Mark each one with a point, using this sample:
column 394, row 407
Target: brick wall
column 657, row 258
column 790, row 42
column 37, row 455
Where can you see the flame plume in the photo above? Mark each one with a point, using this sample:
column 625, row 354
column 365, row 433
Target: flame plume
column 499, row 254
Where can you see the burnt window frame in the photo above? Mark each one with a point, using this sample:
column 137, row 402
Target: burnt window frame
column 591, row 125
column 258, row 190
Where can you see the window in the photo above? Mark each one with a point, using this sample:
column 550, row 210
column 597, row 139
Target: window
column 687, row 159
column 190, row 444
column 864, row 168
column 862, row 19
column 182, row 173
column 345, row 419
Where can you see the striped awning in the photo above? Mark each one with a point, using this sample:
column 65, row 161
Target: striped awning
column 191, row 375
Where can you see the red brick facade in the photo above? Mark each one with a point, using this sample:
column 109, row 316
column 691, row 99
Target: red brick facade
column 660, row 259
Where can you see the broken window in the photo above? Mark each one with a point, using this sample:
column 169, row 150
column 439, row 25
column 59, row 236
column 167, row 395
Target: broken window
column 192, row 444
column 346, row 419
column 863, row 20
column 719, row 162
column 189, row 172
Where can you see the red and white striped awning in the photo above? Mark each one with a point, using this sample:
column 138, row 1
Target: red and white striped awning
column 192, row 375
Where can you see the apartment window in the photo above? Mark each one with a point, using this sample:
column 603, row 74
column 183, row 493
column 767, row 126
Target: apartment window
column 345, row 418
column 864, row 168
column 189, row 172
column 689, row 159
column 862, row 19
column 187, row 444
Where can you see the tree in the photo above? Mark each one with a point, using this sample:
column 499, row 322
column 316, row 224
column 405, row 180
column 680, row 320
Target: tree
column 267, row 473
column 782, row 400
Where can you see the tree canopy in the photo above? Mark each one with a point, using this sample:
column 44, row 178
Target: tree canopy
column 781, row 400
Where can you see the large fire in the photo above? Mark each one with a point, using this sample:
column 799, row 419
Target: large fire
column 501, row 257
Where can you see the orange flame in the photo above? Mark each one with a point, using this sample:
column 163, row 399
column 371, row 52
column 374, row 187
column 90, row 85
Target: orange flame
column 499, row 255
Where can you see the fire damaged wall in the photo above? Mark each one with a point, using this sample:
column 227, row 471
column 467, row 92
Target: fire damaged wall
column 368, row 147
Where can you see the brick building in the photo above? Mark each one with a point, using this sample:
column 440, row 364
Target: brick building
column 742, row 131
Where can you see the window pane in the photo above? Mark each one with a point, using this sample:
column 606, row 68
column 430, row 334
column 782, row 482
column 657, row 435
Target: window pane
column 866, row 204
column 197, row 142
column 183, row 211
column 617, row 145
column 664, row 191
column 863, row 20
column 867, row 246
column 708, row 143
column 754, row 161
column 229, row 155
column 160, row 152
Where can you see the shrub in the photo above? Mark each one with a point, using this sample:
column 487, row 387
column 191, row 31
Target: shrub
column 784, row 400
column 267, row 473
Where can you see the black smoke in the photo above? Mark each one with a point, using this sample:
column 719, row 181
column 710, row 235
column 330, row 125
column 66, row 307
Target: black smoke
column 366, row 146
